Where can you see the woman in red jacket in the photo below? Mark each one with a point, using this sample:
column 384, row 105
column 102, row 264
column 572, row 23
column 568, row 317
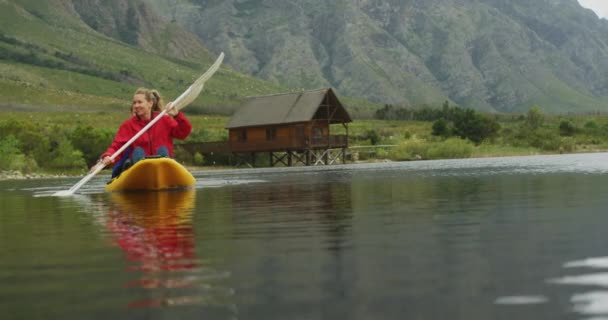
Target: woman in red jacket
column 158, row 140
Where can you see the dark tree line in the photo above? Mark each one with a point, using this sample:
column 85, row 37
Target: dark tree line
column 447, row 121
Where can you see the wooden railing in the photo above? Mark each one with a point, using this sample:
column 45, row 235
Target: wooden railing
column 335, row 141
column 265, row 145
column 328, row 142
column 206, row 147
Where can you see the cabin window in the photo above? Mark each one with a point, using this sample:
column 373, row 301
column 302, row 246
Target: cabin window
column 271, row 133
column 242, row 135
column 317, row 132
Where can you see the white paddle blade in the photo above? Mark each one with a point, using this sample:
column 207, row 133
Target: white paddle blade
column 72, row 190
column 195, row 89
column 63, row 193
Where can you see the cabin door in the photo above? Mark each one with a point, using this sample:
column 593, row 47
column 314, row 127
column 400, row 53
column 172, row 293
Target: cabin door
column 300, row 135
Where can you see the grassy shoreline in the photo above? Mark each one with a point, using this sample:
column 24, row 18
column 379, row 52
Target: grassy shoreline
column 76, row 139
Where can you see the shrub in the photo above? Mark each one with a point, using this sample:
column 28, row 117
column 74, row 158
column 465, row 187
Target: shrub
column 546, row 142
column 567, row 145
column 373, row 137
column 381, row 153
column 64, row 156
column 199, row 159
column 33, row 140
column 181, row 155
column 441, row 128
column 471, row 125
column 421, row 113
column 591, row 125
column 534, row 118
column 9, row 150
column 23, row 164
column 567, row 128
column 91, row 142
column 203, row 135
column 453, row 148
column 409, row 150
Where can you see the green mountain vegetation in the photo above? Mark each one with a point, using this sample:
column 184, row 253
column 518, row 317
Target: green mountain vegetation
column 92, row 55
column 491, row 55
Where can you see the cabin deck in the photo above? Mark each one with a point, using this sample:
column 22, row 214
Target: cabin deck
column 275, row 145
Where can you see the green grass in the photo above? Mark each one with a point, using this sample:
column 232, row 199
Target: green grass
column 417, row 149
column 493, row 150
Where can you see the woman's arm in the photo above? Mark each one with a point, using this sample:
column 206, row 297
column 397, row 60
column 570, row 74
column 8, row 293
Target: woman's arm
column 122, row 136
column 183, row 128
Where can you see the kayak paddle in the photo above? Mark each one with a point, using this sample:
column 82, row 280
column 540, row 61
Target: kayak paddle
column 183, row 100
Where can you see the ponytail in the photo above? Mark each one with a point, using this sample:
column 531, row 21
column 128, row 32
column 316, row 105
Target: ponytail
column 158, row 101
column 152, row 96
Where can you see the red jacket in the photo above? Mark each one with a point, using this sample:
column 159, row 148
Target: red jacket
column 160, row 134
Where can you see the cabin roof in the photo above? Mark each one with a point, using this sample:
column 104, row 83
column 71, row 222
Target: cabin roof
column 287, row 108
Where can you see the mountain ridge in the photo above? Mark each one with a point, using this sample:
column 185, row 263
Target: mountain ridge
column 492, row 55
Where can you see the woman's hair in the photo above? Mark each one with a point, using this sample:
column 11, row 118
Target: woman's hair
column 152, row 96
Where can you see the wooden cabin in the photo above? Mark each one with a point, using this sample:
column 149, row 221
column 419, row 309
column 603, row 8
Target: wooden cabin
column 290, row 127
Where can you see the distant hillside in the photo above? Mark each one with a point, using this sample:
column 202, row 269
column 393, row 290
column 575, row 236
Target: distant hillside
column 495, row 55
column 92, row 55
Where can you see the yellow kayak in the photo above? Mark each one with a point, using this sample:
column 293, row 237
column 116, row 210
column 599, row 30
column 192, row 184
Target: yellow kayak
column 152, row 174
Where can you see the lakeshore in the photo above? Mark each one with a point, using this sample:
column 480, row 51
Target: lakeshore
column 8, row 175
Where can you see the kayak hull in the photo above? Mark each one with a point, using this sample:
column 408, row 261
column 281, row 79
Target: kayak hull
column 152, row 174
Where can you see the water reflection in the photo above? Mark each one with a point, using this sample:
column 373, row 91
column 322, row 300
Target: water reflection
column 467, row 239
column 305, row 228
column 155, row 231
column 594, row 302
column 294, row 209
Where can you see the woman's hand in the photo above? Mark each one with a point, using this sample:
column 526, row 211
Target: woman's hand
column 170, row 110
column 105, row 161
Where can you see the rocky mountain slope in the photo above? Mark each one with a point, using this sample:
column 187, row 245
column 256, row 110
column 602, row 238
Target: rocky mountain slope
column 494, row 55
column 133, row 22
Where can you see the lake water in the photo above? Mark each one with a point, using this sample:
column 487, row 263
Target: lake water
column 497, row 238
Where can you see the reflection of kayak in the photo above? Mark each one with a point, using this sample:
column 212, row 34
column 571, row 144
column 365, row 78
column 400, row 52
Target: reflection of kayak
column 154, row 228
column 153, row 174
column 155, row 231
column 156, row 209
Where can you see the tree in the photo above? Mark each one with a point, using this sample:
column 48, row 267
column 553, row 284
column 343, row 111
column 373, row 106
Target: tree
column 9, row 149
column 373, row 136
column 64, row 156
column 385, row 113
column 474, row 126
column 441, row 128
column 91, row 142
column 534, row 118
column 446, row 110
column 566, row 128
